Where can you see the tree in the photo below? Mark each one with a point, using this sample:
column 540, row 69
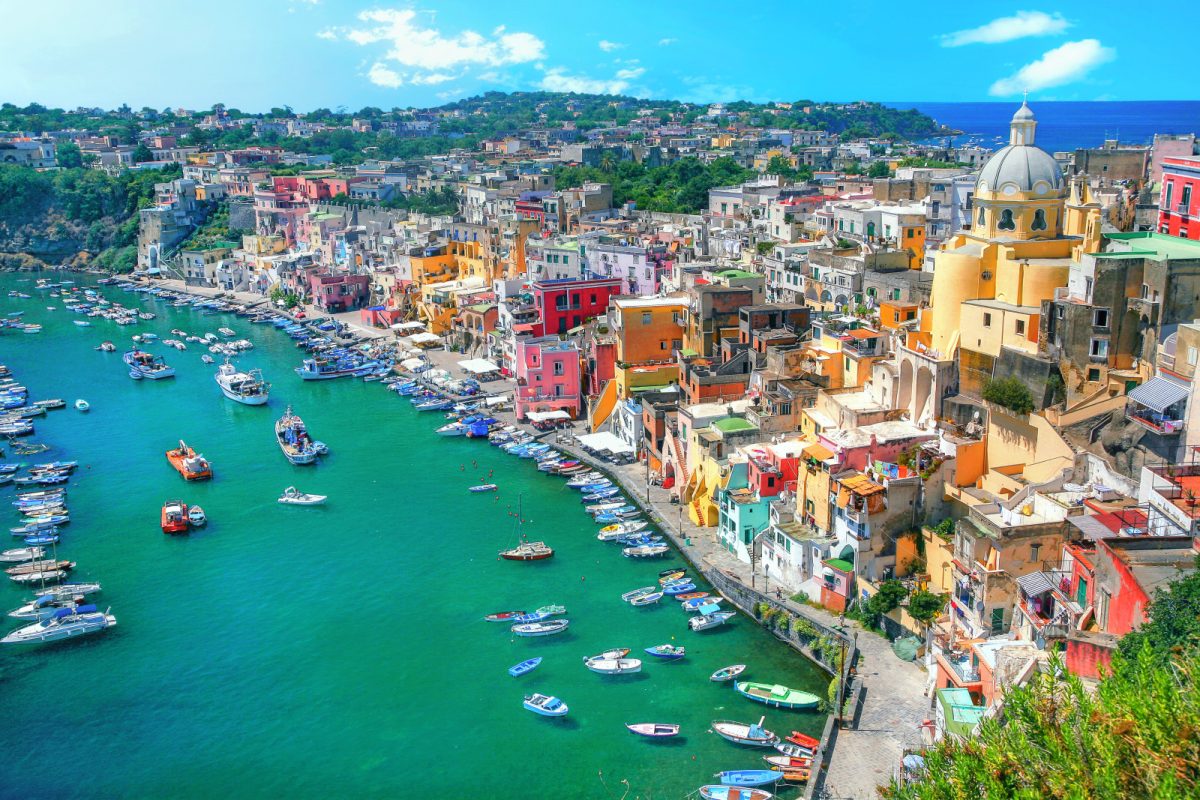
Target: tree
column 142, row 154
column 878, row 169
column 888, row 597
column 924, row 606
column 69, row 155
column 1010, row 393
column 1172, row 620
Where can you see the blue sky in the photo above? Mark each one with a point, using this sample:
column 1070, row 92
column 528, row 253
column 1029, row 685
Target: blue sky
column 254, row 54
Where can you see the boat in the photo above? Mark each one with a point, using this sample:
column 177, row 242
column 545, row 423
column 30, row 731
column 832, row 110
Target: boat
column 207, row 359
column 314, row 369
column 676, row 589
column 82, row 405
column 83, row 323
column 628, row 596
column 690, row 601
column 484, row 487
column 247, row 388
column 624, row 528
column 147, row 365
column 775, row 695
column 793, row 750
column 45, row 576
column 69, row 590
column 19, row 554
column 614, row 666
column 228, row 333
column 294, row 440
column 646, row 599
column 648, row 551
column 803, row 740
column 619, row 652
column 188, row 463
column 174, row 517
column 45, row 607
column 197, row 517
column 44, row 565
column 749, row 777
column 106, row 347
column 670, row 574
column 66, row 623
column 546, row 705
column 547, row 628
column 668, row 652
column 551, row 610
column 528, row 551
column 789, row 763
column 293, row 496
column 504, row 616
column 723, row 792
column 727, row 673
column 707, row 621
column 529, row 665
column 653, row 730
column 751, row 733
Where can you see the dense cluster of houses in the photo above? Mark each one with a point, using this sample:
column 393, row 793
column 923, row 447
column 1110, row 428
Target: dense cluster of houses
column 811, row 369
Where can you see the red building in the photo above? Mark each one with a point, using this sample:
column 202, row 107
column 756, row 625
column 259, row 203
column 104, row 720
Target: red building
column 1179, row 205
column 565, row 304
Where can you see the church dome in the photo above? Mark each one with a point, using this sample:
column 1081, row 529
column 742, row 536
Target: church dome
column 1021, row 167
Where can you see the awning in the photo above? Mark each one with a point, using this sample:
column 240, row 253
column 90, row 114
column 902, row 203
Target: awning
column 409, row 326
column 1158, row 394
column 548, row 416
column 1035, row 583
column 478, row 366
column 413, row 364
column 818, row 452
column 424, row 338
column 605, row 441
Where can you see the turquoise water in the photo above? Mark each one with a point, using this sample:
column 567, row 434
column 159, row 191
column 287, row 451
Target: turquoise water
column 336, row 651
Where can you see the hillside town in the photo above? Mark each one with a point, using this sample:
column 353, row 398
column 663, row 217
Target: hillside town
column 959, row 376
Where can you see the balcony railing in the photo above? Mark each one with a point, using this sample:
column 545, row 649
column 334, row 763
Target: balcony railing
column 962, row 668
column 1162, row 424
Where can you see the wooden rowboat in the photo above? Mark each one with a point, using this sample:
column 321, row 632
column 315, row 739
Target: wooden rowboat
column 653, row 730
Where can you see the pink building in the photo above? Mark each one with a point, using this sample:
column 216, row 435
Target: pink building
column 334, row 293
column 548, row 376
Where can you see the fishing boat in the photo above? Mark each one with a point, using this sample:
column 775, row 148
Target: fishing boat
column 749, row 777
column 529, row 665
column 174, row 517
column 547, row 628
column 314, row 369
column 188, row 463
column 504, row 616
column 294, row 440
column 722, row 792
column 638, row 593
column 82, row 405
column 789, row 763
column 484, row 487
column 668, row 652
column 293, row 496
column 793, row 750
column 727, row 673
column 646, row 599
column 675, row 589
column 196, row 517
column 708, row 620
column 528, row 551
column 624, row 528
column 690, row 601
column 546, row 705
column 247, row 388
column 619, row 652
column 66, row 623
column 775, row 695
column 147, row 365
column 653, row 730
column 671, row 574
column 751, row 733
column 614, row 666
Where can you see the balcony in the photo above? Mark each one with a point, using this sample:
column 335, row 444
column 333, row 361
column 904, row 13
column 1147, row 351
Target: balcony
column 1163, row 424
column 960, row 667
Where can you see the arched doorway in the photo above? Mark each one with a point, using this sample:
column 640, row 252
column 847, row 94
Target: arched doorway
column 923, row 388
column 906, row 384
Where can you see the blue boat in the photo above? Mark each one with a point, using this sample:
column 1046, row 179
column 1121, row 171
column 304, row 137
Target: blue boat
column 603, row 494
column 588, row 488
column 533, row 616
column 695, row 603
column 678, row 588
column 42, row 538
column 668, row 652
column 749, row 777
column 528, row 665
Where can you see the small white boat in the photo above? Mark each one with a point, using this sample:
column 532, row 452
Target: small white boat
column 483, row 487
column 295, row 497
column 196, row 516
column 546, row 705
column 83, row 323
column 82, row 405
column 20, row 554
column 614, row 666
column 67, row 623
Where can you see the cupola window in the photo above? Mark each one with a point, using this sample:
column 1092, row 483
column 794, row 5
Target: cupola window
column 1039, row 220
column 1006, row 220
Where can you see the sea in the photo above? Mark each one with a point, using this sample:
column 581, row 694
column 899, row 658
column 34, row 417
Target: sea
column 1066, row 125
column 334, row 651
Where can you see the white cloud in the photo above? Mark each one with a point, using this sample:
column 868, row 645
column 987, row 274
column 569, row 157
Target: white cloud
column 448, row 93
column 631, row 74
column 667, row 41
column 608, row 46
column 1005, row 29
column 1064, row 64
column 412, row 45
column 431, row 78
column 328, row 34
column 557, row 80
column 380, row 75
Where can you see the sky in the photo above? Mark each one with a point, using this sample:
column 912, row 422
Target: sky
column 255, row 54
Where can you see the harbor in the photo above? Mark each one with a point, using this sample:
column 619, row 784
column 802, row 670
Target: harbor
column 354, row 631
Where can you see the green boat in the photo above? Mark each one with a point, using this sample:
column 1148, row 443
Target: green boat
column 776, row 695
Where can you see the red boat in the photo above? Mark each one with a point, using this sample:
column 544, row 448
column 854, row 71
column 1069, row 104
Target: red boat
column 175, row 517
column 503, row 616
column 803, row 740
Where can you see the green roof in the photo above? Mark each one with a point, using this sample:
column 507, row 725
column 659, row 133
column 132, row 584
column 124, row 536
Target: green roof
column 480, row 307
column 687, row 351
column 658, row 387
column 733, row 425
column 839, row 564
column 736, row 273
column 1155, row 245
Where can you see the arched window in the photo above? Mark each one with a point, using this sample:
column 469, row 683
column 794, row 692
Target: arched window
column 981, row 215
column 1006, row 222
column 1039, row 220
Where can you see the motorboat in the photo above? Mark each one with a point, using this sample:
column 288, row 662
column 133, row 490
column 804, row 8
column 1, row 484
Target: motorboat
column 619, row 652
column 314, row 369
column 47, row 576
column 188, row 463
column 704, row 622
column 294, row 440
column 692, row 601
column 723, row 792
column 82, row 405
column 803, row 740
column 293, row 496
column 196, row 517
column 67, row 623
column 775, row 695
column 106, row 347
column 547, row 628
column 484, row 487
column 45, row 607
column 528, row 551
column 749, row 777
column 546, row 705
column 752, row 733
column 247, row 388
column 528, row 665
column 653, row 730
column 147, row 365
column 614, row 666
column 668, row 652
column 174, row 517
column 727, row 673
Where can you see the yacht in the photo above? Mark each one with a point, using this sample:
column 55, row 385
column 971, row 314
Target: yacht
column 67, row 623
column 247, row 388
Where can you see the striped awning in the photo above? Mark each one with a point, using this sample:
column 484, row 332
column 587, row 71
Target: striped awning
column 1035, row 583
column 1158, row 394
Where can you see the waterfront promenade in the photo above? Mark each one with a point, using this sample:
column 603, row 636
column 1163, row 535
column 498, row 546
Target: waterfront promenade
column 894, row 703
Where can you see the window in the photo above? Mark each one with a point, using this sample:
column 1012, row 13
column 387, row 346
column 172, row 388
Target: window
column 1020, row 327
column 1192, row 356
column 1099, row 348
column 646, row 317
column 1100, row 317
column 558, row 368
column 1167, row 191
column 1060, row 312
column 1007, row 223
column 981, row 215
column 912, row 233
column 987, row 320
column 1185, row 199
column 1093, row 375
column 1039, row 220
column 1034, row 550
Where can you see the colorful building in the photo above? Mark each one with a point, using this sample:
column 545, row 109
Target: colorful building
column 548, row 376
column 566, row 304
column 1179, row 206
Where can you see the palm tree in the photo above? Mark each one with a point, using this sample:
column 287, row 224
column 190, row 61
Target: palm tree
column 607, row 161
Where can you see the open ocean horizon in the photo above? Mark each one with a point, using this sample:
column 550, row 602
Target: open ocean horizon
column 1066, row 125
